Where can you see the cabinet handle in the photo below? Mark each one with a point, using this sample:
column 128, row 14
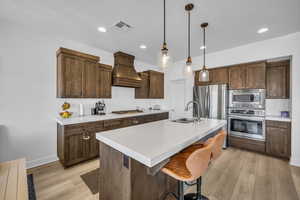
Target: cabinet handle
column 135, row 121
column 86, row 137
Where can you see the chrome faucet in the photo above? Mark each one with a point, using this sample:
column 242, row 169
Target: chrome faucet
column 198, row 108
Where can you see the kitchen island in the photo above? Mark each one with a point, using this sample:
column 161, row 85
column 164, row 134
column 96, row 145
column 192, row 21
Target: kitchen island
column 129, row 157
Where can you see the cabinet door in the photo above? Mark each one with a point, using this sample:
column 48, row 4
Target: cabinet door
column 256, row 75
column 278, row 81
column 104, row 81
column 70, row 76
column 143, row 91
column 156, row 85
column 90, row 75
column 94, row 145
column 278, row 142
column 219, row 76
column 237, row 76
column 77, row 148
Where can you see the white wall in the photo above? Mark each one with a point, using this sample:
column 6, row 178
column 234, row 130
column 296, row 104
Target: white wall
column 28, row 104
column 268, row 49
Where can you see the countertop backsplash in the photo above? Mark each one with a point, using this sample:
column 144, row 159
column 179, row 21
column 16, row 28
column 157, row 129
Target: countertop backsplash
column 122, row 99
column 275, row 106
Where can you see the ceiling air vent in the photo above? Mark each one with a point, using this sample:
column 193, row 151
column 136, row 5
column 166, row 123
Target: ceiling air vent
column 122, row 26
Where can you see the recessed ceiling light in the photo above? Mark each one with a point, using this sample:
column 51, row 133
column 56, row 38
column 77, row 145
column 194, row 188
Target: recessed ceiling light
column 203, row 47
column 262, row 30
column 102, row 29
column 142, row 46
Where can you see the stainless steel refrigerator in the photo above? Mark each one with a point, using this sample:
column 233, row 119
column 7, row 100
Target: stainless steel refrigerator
column 213, row 102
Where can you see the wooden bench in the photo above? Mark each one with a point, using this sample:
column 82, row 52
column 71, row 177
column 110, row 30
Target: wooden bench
column 13, row 180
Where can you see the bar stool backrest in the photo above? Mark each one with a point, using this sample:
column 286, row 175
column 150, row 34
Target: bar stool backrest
column 218, row 145
column 197, row 162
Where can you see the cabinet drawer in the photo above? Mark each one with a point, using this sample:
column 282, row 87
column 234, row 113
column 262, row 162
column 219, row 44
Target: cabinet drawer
column 247, row 144
column 277, row 124
column 161, row 116
column 113, row 124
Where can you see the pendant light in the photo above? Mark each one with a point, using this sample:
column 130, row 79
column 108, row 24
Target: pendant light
column 164, row 50
column 204, row 73
column 188, row 65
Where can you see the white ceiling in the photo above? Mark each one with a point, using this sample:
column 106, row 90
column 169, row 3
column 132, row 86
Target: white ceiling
column 231, row 22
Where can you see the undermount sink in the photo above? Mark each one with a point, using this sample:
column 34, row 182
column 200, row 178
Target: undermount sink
column 185, row 120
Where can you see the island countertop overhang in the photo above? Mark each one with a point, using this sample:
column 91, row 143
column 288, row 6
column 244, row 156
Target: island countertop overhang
column 155, row 142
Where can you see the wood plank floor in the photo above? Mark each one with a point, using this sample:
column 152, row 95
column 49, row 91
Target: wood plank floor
column 236, row 175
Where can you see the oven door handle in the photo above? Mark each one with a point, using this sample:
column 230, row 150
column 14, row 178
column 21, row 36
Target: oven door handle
column 247, row 118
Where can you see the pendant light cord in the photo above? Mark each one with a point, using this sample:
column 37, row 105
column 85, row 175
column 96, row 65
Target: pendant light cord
column 164, row 21
column 204, row 50
column 189, row 34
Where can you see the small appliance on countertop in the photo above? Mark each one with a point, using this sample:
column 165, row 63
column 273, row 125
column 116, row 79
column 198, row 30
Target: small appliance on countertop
column 99, row 108
column 285, row 114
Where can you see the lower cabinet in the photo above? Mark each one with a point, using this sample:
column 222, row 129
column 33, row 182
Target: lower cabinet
column 248, row 144
column 278, row 137
column 77, row 142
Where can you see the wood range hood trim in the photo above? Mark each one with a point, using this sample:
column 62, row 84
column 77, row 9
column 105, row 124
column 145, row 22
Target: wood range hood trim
column 124, row 73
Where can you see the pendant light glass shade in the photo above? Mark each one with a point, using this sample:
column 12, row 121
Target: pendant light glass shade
column 164, row 50
column 204, row 73
column 187, row 70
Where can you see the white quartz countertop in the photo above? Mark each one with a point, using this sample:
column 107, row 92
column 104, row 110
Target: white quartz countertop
column 155, row 142
column 92, row 118
column 278, row 118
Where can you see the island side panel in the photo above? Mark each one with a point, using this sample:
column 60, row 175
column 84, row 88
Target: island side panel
column 148, row 187
column 114, row 178
column 133, row 183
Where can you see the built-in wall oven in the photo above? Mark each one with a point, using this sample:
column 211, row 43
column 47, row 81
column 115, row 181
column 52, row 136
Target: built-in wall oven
column 246, row 113
column 247, row 123
column 252, row 98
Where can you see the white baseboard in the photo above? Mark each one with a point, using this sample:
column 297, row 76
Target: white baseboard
column 295, row 162
column 41, row 161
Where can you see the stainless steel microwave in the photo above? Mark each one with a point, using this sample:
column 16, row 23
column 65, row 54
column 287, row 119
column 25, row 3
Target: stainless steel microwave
column 250, row 98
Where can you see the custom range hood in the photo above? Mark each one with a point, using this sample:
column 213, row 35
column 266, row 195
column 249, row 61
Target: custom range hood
column 124, row 74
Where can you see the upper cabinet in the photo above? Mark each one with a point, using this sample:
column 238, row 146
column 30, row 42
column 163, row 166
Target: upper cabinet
column 278, row 80
column 256, row 75
column 152, row 86
column 104, row 81
column 217, row 76
column 248, row 76
column 80, row 76
column 237, row 77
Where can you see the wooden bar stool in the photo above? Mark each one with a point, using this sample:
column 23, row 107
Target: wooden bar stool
column 189, row 165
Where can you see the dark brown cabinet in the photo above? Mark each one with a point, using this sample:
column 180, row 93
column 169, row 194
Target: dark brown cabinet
column 248, row 144
column 143, row 91
column 104, row 81
column 278, row 80
column 256, row 75
column 278, row 137
column 248, row 76
column 79, row 75
column 237, row 77
column 216, row 76
column 76, row 74
column 152, row 85
column 89, row 79
column 77, row 142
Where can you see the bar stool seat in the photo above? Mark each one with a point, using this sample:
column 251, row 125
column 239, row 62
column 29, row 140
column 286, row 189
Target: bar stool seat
column 189, row 165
